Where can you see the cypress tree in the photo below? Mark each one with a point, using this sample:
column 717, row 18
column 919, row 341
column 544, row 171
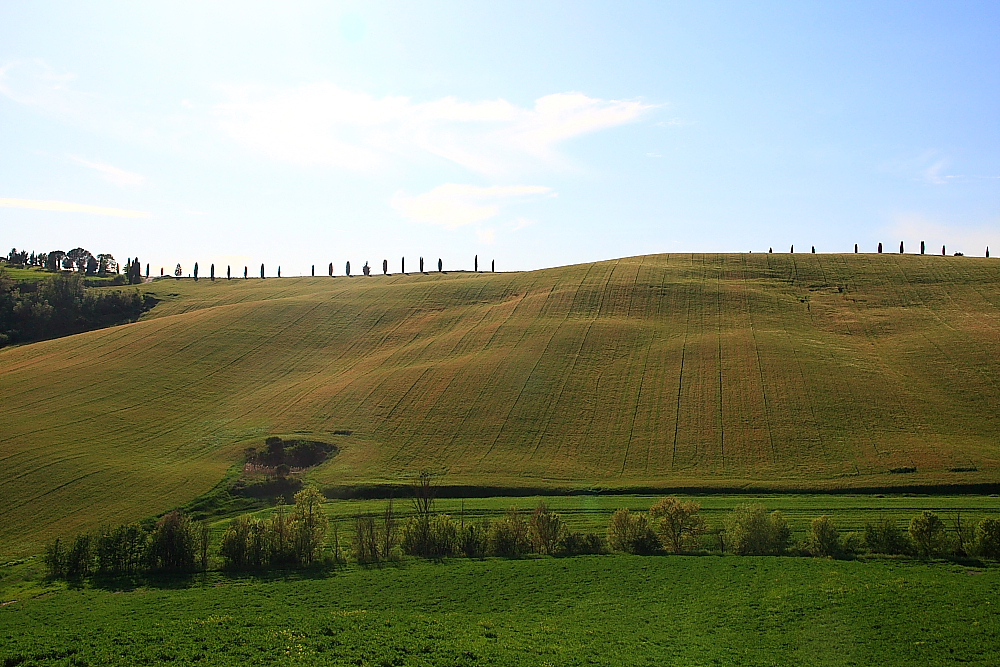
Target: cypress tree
column 439, row 265
column 921, row 247
column 314, row 271
column 900, row 247
column 770, row 250
column 261, row 270
column 348, row 269
column 855, row 248
column 245, row 273
column 147, row 268
column 987, row 252
column 212, row 269
column 880, row 248
column 493, row 266
column 279, row 271
column 476, row 264
column 196, row 271
column 793, row 248
column 421, row 265
column 229, row 272
column 402, row 265
column 385, row 267
column 942, row 251
column 331, row 269
column 814, row 250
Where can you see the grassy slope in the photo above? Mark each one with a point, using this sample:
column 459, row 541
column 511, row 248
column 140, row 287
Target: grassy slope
column 811, row 371
column 605, row 610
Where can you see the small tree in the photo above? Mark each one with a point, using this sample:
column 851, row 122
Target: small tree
column 927, row 533
column 92, row 265
column 310, row 524
column 679, row 523
column 546, row 528
column 177, row 271
column 211, row 274
column 55, row 560
column 824, row 539
column 509, row 535
column 754, row 532
column 173, row 544
column 631, row 533
column 988, row 538
column 885, row 537
column 196, row 271
column 79, row 559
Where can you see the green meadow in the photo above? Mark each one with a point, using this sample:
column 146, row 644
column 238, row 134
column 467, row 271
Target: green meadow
column 607, row 610
column 728, row 372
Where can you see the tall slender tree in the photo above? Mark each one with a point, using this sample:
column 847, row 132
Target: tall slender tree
column 262, row 270
column 348, row 269
column 229, row 272
column 439, row 265
column 475, row 264
column 196, row 271
column 385, row 267
column 402, row 265
column 212, row 275
column 331, row 269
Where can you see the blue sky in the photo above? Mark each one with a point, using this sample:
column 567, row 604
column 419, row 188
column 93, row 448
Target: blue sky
column 534, row 133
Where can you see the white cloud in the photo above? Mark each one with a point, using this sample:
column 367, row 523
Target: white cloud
column 453, row 205
column 70, row 207
column 321, row 123
column 112, row 174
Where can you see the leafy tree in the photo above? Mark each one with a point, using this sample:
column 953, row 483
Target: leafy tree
column 173, row 544
column 54, row 260
column 309, row 523
column 631, row 533
column 92, row 266
column 177, row 271
column 927, row 534
column 824, row 539
column 988, row 538
column 885, row 537
column 546, row 529
column 78, row 258
column 679, row 523
column 509, row 535
column 754, row 532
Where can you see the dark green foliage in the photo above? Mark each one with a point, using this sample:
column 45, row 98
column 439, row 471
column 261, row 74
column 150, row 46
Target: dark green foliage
column 60, row 306
column 293, row 453
column 196, row 271
column 79, row 559
column 121, row 550
column 927, row 533
column 885, row 537
column 173, row 544
column 988, row 539
column 630, row 532
column 578, row 544
column 474, row 539
column 509, row 536
column 824, row 538
column 55, row 559
column 751, row 531
column 430, row 536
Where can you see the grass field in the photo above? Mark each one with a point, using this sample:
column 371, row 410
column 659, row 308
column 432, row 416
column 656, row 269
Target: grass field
column 709, row 371
column 618, row 610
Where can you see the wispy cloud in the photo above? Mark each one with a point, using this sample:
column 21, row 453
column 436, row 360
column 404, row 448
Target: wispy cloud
column 112, row 174
column 452, row 205
column 70, row 207
column 321, row 123
column 35, row 83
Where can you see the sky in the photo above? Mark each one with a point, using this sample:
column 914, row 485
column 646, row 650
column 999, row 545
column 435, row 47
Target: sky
column 534, row 134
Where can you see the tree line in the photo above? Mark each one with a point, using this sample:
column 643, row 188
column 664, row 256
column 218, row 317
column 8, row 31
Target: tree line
column 302, row 535
column 61, row 305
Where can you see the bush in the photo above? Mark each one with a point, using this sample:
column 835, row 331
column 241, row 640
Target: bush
column 754, row 532
column 121, row 550
column 988, row 539
column 927, row 534
column 885, row 537
column 474, row 539
column 824, row 539
column 173, row 544
column 679, row 524
column 79, row 561
column 509, row 535
column 578, row 544
column 430, row 537
column 545, row 528
column 631, row 533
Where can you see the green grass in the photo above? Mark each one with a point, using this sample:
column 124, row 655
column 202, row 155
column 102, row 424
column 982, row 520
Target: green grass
column 771, row 372
column 26, row 274
column 591, row 610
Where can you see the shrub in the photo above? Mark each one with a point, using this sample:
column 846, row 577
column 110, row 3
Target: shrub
column 824, row 539
column 430, row 537
column 678, row 523
column 578, row 544
column 545, row 528
column 509, row 535
column 55, row 559
column 631, row 533
column 927, row 534
column 988, row 538
column 754, row 532
column 121, row 550
column 474, row 539
column 885, row 537
column 173, row 545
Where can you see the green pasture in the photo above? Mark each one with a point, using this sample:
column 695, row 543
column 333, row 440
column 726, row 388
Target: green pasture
column 608, row 610
column 752, row 371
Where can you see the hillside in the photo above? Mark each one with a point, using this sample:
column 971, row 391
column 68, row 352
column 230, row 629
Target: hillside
column 772, row 371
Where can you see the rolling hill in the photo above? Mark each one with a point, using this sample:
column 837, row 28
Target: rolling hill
column 714, row 371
